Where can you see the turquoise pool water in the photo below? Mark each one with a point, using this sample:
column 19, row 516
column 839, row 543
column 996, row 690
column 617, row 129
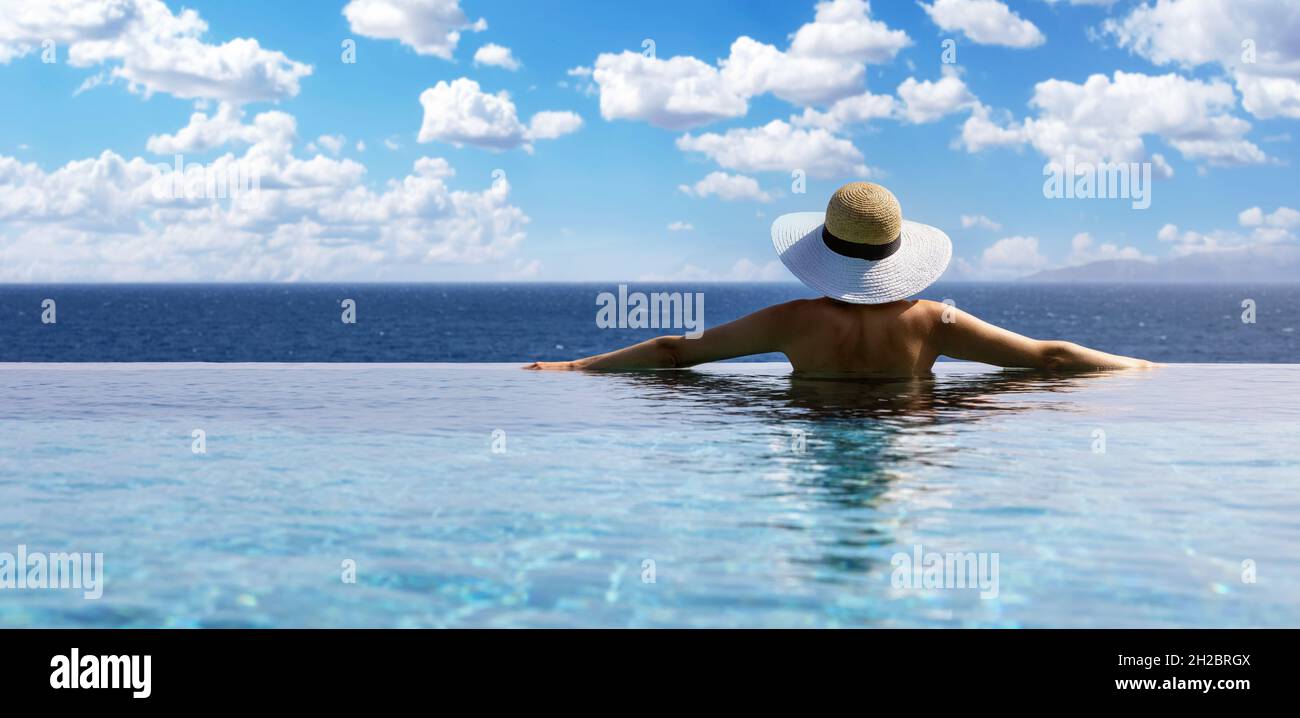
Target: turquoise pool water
column 733, row 495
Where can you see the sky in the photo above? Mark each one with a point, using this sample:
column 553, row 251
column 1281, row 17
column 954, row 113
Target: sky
column 450, row 140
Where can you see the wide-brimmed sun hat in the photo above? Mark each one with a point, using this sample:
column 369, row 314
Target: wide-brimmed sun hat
column 860, row 249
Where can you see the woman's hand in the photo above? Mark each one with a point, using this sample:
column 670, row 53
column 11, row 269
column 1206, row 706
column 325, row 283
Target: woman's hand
column 553, row 366
column 763, row 331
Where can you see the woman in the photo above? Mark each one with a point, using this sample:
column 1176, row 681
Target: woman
column 866, row 260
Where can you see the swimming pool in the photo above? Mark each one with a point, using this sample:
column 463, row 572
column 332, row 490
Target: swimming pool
column 731, row 495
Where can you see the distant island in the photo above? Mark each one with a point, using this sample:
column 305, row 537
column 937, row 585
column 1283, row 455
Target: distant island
column 1258, row 263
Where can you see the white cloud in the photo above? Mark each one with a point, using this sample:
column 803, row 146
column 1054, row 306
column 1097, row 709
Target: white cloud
column 727, row 187
column 1198, row 32
column 849, row 111
column 149, row 48
column 304, row 219
column 392, row 144
column 1190, row 242
column 1282, row 217
column 549, row 124
column 917, row 102
column 677, row 93
column 987, row 22
column 460, row 113
column 1106, row 119
column 496, row 56
column 1022, row 256
column 332, row 144
column 583, row 82
column 928, row 101
column 1276, row 227
column 981, row 132
column 1012, row 257
column 1083, row 249
column 779, row 147
column 361, row 145
column 680, row 226
column 979, row 220
column 430, row 27
column 744, row 270
column 205, row 132
column 826, row 61
column 844, row 29
column 754, row 68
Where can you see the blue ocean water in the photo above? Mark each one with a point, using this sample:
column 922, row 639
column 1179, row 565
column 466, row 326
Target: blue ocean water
column 731, row 495
column 526, row 322
column 477, row 494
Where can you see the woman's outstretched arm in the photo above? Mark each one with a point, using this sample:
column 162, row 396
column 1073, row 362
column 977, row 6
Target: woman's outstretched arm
column 758, row 333
column 964, row 336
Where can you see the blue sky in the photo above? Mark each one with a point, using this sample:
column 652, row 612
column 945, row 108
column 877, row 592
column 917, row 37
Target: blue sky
column 402, row 189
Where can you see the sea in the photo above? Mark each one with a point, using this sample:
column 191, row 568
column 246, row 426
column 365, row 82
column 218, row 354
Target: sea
column 509, row 322
column 242, row 456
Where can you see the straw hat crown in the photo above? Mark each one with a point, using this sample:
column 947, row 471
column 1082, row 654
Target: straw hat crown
column 864, row 213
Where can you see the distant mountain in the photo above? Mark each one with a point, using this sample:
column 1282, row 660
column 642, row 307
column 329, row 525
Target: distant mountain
column 1106, row 270
column 1258, row 263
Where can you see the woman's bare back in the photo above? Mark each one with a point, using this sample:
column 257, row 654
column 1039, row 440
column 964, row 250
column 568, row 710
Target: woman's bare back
column 839, row 338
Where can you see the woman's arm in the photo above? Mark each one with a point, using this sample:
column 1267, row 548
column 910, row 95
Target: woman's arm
column 967, row 337
column 761, row 332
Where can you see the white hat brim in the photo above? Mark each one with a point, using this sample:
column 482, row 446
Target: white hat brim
column 919, row 261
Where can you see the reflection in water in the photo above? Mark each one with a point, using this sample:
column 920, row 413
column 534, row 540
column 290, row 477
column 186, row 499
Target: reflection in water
column 901, row 401
column 844, row 442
